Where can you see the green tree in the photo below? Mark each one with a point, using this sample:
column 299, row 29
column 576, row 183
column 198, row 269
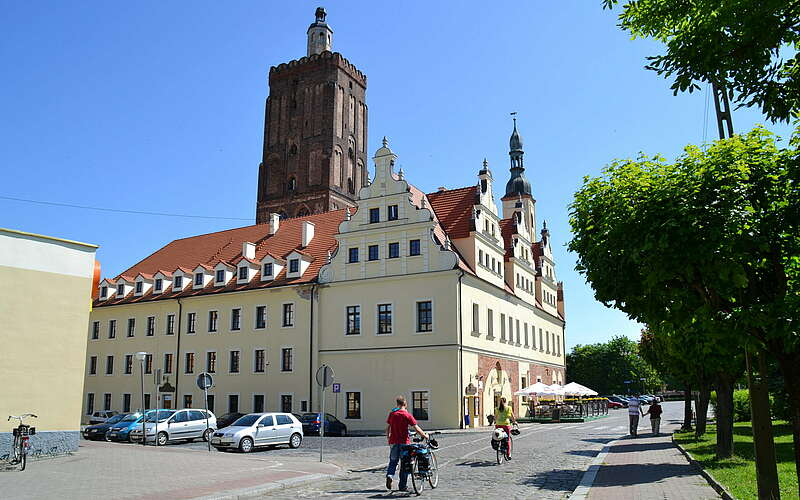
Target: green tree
column 605, row 367
column 711, row 239
column 748, row 46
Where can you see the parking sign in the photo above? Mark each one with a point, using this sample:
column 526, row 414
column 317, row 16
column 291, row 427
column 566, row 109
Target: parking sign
column 337, row 387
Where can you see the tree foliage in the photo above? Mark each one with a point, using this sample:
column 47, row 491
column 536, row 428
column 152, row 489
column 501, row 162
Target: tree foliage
column 749, row 46
column 605, row 367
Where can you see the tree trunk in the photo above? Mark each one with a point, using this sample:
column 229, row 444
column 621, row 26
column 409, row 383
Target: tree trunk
column 701, row 410
column 763, row 443
column 687, row 409
column 724, row 416
column 790, row 367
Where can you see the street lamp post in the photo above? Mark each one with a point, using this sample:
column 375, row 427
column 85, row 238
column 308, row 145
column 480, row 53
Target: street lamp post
column 141, row 357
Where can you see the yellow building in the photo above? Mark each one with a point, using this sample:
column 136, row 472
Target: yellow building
column 45, row 293
column 437, row 296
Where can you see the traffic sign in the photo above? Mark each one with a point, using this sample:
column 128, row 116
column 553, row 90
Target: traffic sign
column 337, row 387
column 325, row 376
column 204, row 381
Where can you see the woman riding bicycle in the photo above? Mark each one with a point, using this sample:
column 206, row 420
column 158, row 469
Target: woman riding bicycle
column 503, row 417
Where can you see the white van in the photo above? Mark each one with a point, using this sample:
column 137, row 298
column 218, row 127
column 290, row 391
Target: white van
column 173, row 425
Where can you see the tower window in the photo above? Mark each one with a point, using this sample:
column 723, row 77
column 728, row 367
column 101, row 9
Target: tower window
column 292, row 184
column 293, row 149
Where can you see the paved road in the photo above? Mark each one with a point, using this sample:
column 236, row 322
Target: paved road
column 549, row 461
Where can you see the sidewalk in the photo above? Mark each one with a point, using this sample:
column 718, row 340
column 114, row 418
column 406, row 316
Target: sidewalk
column 643, row 468
column 117, row 471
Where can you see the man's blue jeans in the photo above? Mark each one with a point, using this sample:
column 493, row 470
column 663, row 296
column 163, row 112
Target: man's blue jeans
column 394, row 458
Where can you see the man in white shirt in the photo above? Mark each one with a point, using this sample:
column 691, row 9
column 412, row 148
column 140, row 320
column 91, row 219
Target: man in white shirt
column 634, row 411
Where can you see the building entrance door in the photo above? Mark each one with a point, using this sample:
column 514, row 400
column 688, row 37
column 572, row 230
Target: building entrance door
column 166, row 400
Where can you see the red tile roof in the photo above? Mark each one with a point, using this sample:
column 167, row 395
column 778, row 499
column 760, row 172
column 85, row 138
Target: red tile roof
column 453, row 208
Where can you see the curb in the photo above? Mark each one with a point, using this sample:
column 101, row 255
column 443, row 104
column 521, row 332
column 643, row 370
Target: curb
column 587, row 480
column 718, row 487
column 259, row 491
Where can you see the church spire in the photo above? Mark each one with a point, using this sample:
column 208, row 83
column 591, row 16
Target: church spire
column 320, row 35
column 518, row 184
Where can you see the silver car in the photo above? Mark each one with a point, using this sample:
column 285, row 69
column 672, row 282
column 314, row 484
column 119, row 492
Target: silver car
column 172, row 425
column 259, row 429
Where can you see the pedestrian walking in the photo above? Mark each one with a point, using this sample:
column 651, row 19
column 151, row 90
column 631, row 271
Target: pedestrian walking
column 655, row 412
column 634, row 410
column 397, row 434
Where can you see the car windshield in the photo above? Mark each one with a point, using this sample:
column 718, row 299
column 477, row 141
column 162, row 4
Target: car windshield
column 160, row 415
column 247, row 420
column 114, row 419
column 309, row 417
column 133, row 417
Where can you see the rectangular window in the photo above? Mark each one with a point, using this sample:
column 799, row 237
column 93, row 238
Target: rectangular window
column 92, row 365
column 286, row 359
column 533, row 336
column 168, row 363
column 268, row 269
column 374, row 215
column 476, row 318
column 198, row 279
column 233, row 365
column 211, row 362
column 90, row 403
column 188, row 362
column 128, row 364
column 259, row 361
column 210, row 402
column 288, row 315
column 480, row 256
column 524, row 385
column 126, row 403
column 258, row 403
column 120, row 290
column 191, row 322
column 107, row 401
column 394, row 250
column 419, row 406
column 138, row 287
column 236, row 319
column 243, row 273
column 148, row 363
column 294, row 265
column 303, row 405
column 413, row 247
column 353, row 320
column 261, row 317
column 510, row 329
column 384, row 318
column 178, row 283
column 170, row 324
column 103, row 292
column 425, row 316
column 286, row 403
column 547, row 343
column 525, row 328
column 352, row 255
column 147, row 400
column 233, row 403
column 353, row 405
column 212, row 321
column 159, row 283
column 393, row 212
column 109, row 365
column 151, row 326
column 95, row 330
column 131, row 327
column 502, row 327
column 187, row 400
column 220, row 276
column 490, row 323
column 112, row 328
column 517, row 325
column 372, row 251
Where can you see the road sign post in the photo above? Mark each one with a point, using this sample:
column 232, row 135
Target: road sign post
column 204, row 381
column 324, row 379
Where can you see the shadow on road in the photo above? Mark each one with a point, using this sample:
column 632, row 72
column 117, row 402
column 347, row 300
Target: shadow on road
column 478, row 463
column 630, row 474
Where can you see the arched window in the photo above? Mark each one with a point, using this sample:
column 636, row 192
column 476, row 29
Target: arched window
column 293, row 149
column 292, row 184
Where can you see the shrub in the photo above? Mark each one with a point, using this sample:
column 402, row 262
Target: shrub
column 741, row 405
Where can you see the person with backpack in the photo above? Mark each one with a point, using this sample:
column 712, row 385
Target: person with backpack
column 503, row 417
column 397, row 435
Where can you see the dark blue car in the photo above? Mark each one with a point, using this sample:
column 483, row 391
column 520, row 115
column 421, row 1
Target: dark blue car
column 120, row 431
column 311, row 422
column 98, row 431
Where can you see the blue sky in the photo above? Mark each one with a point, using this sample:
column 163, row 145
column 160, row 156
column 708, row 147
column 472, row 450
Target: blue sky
column 159, row 106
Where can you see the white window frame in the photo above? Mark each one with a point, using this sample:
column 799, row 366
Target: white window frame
column 187, row 323
column 430, row 401
column 208, row 321
column 133, row 364
column 360, row 321
column 266, row 361
column 228, row 401
column 345, row 418
column 229, row 351
column 280, row 359
column 280, row 401
column 253, row 401
column 194, row 363
column 294, row 314
column 255, row 317
column 241, row 315
column 89, row 365
column 377, row 318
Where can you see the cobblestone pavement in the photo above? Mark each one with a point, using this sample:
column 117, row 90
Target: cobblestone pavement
column 549, row 462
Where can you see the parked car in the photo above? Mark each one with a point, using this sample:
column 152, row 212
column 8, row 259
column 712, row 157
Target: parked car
column 121, row 430
column 101, row 416
column 333, row 426
column 620, row 400
column 98, row 431
column 615, row 404
column 228, row 419
column 259, row 429
column 164, row 426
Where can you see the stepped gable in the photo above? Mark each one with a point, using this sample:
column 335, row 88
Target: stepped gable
column 226, row 246
column 507, row 228
column 453, row 208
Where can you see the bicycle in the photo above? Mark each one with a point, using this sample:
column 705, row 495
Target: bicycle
column 420, row 462
column 22, row 434
column 504, row 446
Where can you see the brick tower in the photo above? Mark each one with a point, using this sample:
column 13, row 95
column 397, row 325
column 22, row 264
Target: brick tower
column 315, row 132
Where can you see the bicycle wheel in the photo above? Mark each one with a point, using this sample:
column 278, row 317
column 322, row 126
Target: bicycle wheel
column 417, row 477
column 15, row 450
column 23, row 456
column 500, row 454
column 433, row 471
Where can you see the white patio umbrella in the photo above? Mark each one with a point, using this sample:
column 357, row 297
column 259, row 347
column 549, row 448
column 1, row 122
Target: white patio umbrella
column 555, row 390
column 576, row 389
column 537, row 388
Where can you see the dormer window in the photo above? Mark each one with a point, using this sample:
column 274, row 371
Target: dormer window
column 294, row 266
column 178, row 282
column 138, row 287
column 158, row 284
column 103, row 292
column 121, row 290
column 393, row 212
column 374, row 215
column 198, row 279
column 267, row 269
column 220, row 275
column 243, row 273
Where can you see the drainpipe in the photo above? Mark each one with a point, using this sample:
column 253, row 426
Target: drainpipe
column 178, row 353
column 460, row 357
column 311, row 353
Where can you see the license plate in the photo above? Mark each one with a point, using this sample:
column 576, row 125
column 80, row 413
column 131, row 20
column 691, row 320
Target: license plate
column 216, row 440
column 113, row 434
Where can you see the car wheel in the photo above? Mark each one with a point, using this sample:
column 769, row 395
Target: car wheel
column 162, row 438
column 108, row 438
column 295, row 440
column 343, row 433
column 246, row 445
column 207, row 434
